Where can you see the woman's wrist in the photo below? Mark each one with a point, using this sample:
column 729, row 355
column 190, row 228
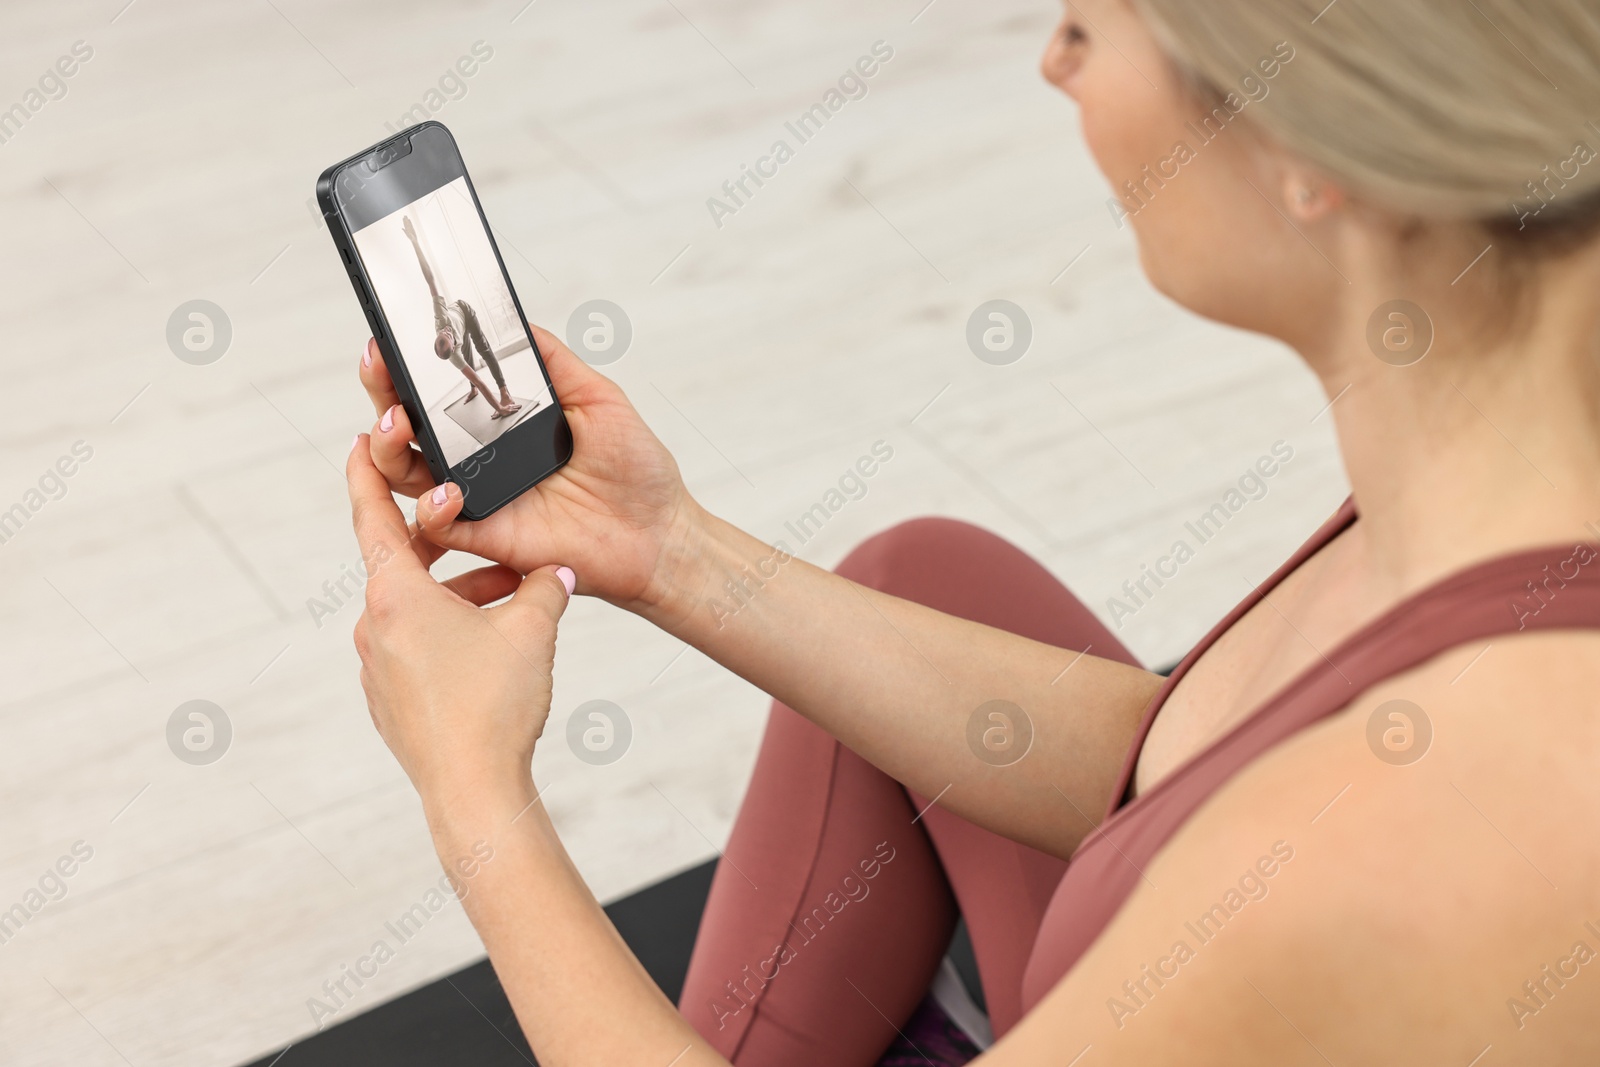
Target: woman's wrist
column 711, row 572
column 683, row 565
column 477, row 808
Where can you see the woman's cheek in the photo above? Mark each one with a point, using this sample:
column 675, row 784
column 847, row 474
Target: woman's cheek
column 1130, row 123
column 1111, row 141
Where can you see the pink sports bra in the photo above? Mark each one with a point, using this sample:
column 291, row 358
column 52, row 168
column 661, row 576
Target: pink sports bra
column 1541, row 589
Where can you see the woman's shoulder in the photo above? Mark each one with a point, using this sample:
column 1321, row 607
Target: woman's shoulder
column 1431, row 857
column 1477, row 767
column 1409, row 880
column 1513, row 705
column 1444, row 834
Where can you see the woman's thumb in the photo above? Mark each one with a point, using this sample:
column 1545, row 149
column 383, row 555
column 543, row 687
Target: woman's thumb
column 567, row 372
column 541, row 597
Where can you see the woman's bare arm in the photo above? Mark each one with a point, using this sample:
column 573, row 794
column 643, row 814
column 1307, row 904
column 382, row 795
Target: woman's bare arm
column 580, row 995
column 900, row 684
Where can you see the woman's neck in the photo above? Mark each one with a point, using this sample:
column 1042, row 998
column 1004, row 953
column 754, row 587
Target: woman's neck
column 1489, row 444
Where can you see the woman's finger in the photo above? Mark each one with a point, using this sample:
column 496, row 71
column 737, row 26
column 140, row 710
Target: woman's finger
column 375, row 378
column 381, row 529
column 437, row 512
column 392, row 453
column 486, row 584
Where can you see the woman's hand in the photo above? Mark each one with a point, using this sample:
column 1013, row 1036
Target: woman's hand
column 618, row 511
column 458, row 692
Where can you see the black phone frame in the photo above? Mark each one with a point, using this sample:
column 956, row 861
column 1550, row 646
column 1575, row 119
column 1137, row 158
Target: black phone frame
column 489, row 480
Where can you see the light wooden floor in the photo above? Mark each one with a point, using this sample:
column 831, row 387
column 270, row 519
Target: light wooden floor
column 769, row 353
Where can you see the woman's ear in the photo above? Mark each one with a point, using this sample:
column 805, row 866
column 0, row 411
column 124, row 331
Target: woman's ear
column 1309, row 196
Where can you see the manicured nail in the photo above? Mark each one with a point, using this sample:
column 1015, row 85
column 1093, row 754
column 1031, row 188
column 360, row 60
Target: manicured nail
column 366, row 356
column 356, row 440
column 387, row 422
column 568, row 579
column 440, row 495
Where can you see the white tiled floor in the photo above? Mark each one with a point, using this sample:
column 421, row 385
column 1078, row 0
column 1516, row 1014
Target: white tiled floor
column 824, row 316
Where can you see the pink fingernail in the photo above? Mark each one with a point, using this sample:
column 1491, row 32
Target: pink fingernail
column 440, row 495
column 568, row 579
column 356, row 440
column 366, row 356
column 387, row 423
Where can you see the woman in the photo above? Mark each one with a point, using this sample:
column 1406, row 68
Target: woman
column 1356, row 826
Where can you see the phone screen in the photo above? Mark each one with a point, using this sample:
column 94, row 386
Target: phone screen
column 417, row 228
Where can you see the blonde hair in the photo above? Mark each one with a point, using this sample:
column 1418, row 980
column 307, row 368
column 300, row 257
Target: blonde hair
column 1481, row 110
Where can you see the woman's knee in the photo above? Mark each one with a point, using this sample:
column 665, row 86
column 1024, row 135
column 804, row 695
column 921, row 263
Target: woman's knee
column 877, row 561
column 967, row 571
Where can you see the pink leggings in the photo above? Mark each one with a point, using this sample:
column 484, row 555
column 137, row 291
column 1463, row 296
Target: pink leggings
column 834, row 903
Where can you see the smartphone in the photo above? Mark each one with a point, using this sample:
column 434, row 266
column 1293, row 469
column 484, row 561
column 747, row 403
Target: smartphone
column 419, row 251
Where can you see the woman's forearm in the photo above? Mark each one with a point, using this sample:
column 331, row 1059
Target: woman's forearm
column 581, row 996
column 900, row 683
